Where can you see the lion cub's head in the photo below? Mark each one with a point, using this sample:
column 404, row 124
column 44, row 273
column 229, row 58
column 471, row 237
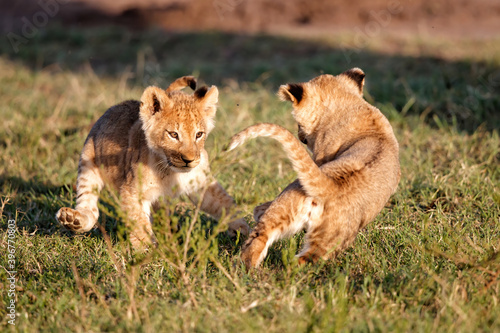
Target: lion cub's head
column 323, row 101
column 176, row 124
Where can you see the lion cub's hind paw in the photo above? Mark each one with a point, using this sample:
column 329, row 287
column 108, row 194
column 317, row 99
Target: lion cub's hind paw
column 238, row 225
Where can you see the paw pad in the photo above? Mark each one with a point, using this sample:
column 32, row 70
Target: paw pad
column 69, row 218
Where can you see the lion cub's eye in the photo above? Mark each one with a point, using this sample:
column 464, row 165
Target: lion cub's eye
column 173, row 135
column 199, row 135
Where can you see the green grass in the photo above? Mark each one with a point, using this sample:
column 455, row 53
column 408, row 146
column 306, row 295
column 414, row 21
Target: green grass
column 428, row 263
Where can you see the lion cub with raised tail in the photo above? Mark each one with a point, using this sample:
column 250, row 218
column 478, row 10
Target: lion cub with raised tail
column 353, row 171
column 148, row 149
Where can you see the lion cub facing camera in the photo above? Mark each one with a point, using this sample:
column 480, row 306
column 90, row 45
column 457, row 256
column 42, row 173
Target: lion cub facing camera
column 353, row 171
column 146, row 150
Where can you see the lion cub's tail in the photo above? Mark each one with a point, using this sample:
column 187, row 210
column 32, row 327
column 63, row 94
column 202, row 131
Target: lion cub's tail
column 181, row 83
column 314, row 181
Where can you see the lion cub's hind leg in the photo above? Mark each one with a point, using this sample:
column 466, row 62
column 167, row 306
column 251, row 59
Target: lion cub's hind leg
column 89, row 183
column 284, row 217
column 332, row 234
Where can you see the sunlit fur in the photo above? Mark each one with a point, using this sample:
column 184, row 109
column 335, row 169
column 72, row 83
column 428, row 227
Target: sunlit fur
column 146, row 150
column 353, row 171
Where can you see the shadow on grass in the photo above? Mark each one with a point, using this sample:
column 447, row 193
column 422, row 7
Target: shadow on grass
column 462, row 93
column 32, row 203
column 36, row 202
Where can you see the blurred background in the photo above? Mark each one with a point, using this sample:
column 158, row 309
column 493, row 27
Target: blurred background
column 408, row 48
column 448, row 18
column 441, row 56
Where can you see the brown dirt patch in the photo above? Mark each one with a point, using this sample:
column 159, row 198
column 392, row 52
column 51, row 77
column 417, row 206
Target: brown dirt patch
column 444, row 18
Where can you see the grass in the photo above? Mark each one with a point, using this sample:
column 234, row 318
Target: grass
column 428, row 263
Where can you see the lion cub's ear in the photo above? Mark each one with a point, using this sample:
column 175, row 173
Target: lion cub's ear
column 208, row 99
column 358, row 76
column 293, row 92
column 153, row 100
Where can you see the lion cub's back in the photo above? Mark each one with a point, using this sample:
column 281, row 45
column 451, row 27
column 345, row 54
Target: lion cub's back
column 108, row 139
column 382, row 172
column 116, row 122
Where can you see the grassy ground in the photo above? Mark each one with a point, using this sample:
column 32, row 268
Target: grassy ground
column 429, row 262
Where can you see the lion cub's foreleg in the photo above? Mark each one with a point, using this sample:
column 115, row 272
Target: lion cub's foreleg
column 288, row 214
column 139, row 218
column 89, row 183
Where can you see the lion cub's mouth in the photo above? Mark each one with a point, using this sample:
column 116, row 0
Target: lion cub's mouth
column 184, row 167
column 178, row 165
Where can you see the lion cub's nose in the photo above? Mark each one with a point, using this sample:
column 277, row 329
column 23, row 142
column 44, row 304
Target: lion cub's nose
column 187, row 160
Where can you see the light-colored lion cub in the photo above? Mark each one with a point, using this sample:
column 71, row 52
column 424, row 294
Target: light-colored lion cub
column 353, row 171
column 146, row 150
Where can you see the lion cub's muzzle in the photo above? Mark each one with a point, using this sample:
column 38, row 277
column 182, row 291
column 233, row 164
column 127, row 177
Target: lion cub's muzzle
column 186, row 163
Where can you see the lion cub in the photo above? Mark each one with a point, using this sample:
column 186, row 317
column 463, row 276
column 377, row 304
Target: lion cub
column 353, row 171
column 147, row 150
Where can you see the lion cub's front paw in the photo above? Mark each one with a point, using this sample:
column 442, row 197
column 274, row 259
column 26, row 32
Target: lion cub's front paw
column 240, row 225
column 70, row 218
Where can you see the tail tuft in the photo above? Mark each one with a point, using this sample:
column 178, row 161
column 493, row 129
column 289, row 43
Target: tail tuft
column 182, row 82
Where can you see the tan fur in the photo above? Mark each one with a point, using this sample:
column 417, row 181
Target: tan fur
column 353, row 171
column 146, row 150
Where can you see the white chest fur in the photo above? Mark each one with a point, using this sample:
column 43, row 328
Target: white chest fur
column 173, row 183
